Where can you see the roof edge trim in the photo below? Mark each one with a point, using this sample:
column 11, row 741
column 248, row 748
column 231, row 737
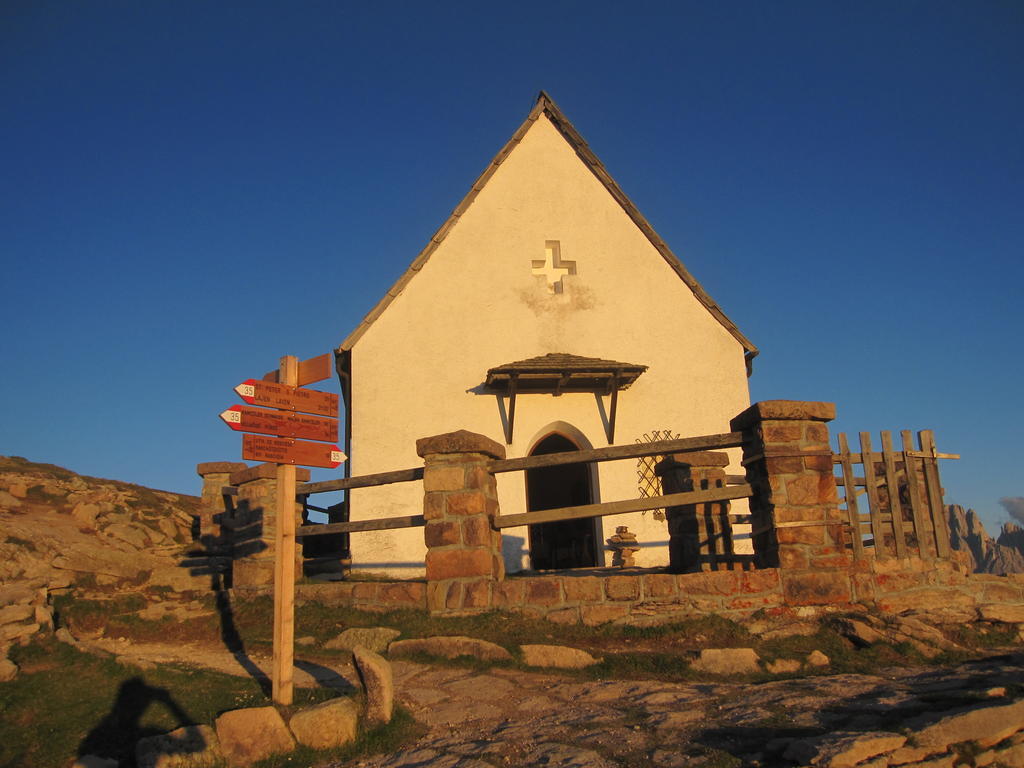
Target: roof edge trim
column 545, row 105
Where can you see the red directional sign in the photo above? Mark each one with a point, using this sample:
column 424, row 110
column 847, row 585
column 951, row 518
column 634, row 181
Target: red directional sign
column 244, row 418
column 287, row 398
column 284, row 451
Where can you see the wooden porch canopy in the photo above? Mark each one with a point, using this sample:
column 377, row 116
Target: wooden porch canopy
column 557, row 373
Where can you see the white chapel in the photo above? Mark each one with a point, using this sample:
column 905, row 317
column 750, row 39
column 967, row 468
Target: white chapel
column 546, row 314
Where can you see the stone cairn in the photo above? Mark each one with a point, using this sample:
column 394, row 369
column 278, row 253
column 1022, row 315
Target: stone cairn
column 624, row 547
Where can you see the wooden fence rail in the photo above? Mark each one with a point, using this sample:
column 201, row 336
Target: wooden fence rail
column 621, row 507
column 737, row 487
column 905, row 512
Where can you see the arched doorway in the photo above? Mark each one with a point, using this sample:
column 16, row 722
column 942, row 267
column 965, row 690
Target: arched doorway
column 565, row 543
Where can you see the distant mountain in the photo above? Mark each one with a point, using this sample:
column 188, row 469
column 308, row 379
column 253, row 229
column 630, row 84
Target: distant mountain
column 985, row 554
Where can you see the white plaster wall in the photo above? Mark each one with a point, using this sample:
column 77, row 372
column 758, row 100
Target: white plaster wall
column 476, row 304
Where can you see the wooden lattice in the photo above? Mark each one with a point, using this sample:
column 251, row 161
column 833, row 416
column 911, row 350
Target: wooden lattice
column 647, row 481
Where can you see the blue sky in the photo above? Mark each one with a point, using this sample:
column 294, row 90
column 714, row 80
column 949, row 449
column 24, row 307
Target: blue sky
column 189, row 190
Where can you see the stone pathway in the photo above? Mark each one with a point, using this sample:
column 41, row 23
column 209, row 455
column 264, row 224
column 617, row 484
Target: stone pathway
column 511, row 718
column 503, row 717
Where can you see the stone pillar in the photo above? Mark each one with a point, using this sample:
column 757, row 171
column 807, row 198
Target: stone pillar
column 460, row 503
column 700, row 536
column 214, row 504
column 254, row 524
column 797, row 526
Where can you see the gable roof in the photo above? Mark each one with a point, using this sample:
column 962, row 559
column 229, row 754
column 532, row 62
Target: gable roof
column 545, row 106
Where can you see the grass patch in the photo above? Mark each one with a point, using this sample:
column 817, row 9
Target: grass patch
column 90, row 615
column 641, row 666
column 985, row 636
column 66, row 703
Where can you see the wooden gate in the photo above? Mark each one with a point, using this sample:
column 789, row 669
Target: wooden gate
column 904, row 514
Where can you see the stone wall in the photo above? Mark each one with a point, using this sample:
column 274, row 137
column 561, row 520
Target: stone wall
column 375, row 596
column 804, row 561
column 599, row 596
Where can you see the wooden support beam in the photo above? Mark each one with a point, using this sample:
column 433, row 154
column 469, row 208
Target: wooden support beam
column 513, row 386
column 612, row 411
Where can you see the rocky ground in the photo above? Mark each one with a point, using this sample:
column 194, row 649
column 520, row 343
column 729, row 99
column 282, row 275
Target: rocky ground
column 479, row 717
column 107, row 537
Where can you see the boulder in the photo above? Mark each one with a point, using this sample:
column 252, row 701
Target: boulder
column 818, row 659
column 85, row 513
column 378, row 683
column 858, row 632
column 908, row 754
column 1003, row 614
column 376, row 639
column 11, row 632
column 331, row 724
column 8, row 670
column 16, row 594
column 248, row 735
column 450, row 647
column 727, row 661
column 10, row 614
column 919, row 630
column 100, row 560
column 194, row 746
column 986, row 725
column 133, row 535
column 556, row 656
column 843, row 750
column 9, row 501
column 1011, row 757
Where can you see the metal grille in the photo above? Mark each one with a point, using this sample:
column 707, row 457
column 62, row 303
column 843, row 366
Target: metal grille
column 647, row 481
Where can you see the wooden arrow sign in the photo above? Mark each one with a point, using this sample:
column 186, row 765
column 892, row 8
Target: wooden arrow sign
column 287, row 398
column 285, row 451
column 244, row 418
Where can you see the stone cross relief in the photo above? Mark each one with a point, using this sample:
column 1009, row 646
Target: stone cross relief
column 552, row 267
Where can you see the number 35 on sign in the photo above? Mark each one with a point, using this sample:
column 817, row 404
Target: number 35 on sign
column 282, row 450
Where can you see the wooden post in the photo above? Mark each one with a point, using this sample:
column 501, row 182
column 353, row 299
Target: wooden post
column 924, row 546
column 892, row 492
column 284, row 565
column 871, row 486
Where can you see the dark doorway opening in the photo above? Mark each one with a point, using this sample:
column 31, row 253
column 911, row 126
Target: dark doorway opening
column 565, row 543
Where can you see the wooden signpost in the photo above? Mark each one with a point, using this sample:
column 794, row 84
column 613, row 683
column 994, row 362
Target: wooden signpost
column 282, row 392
